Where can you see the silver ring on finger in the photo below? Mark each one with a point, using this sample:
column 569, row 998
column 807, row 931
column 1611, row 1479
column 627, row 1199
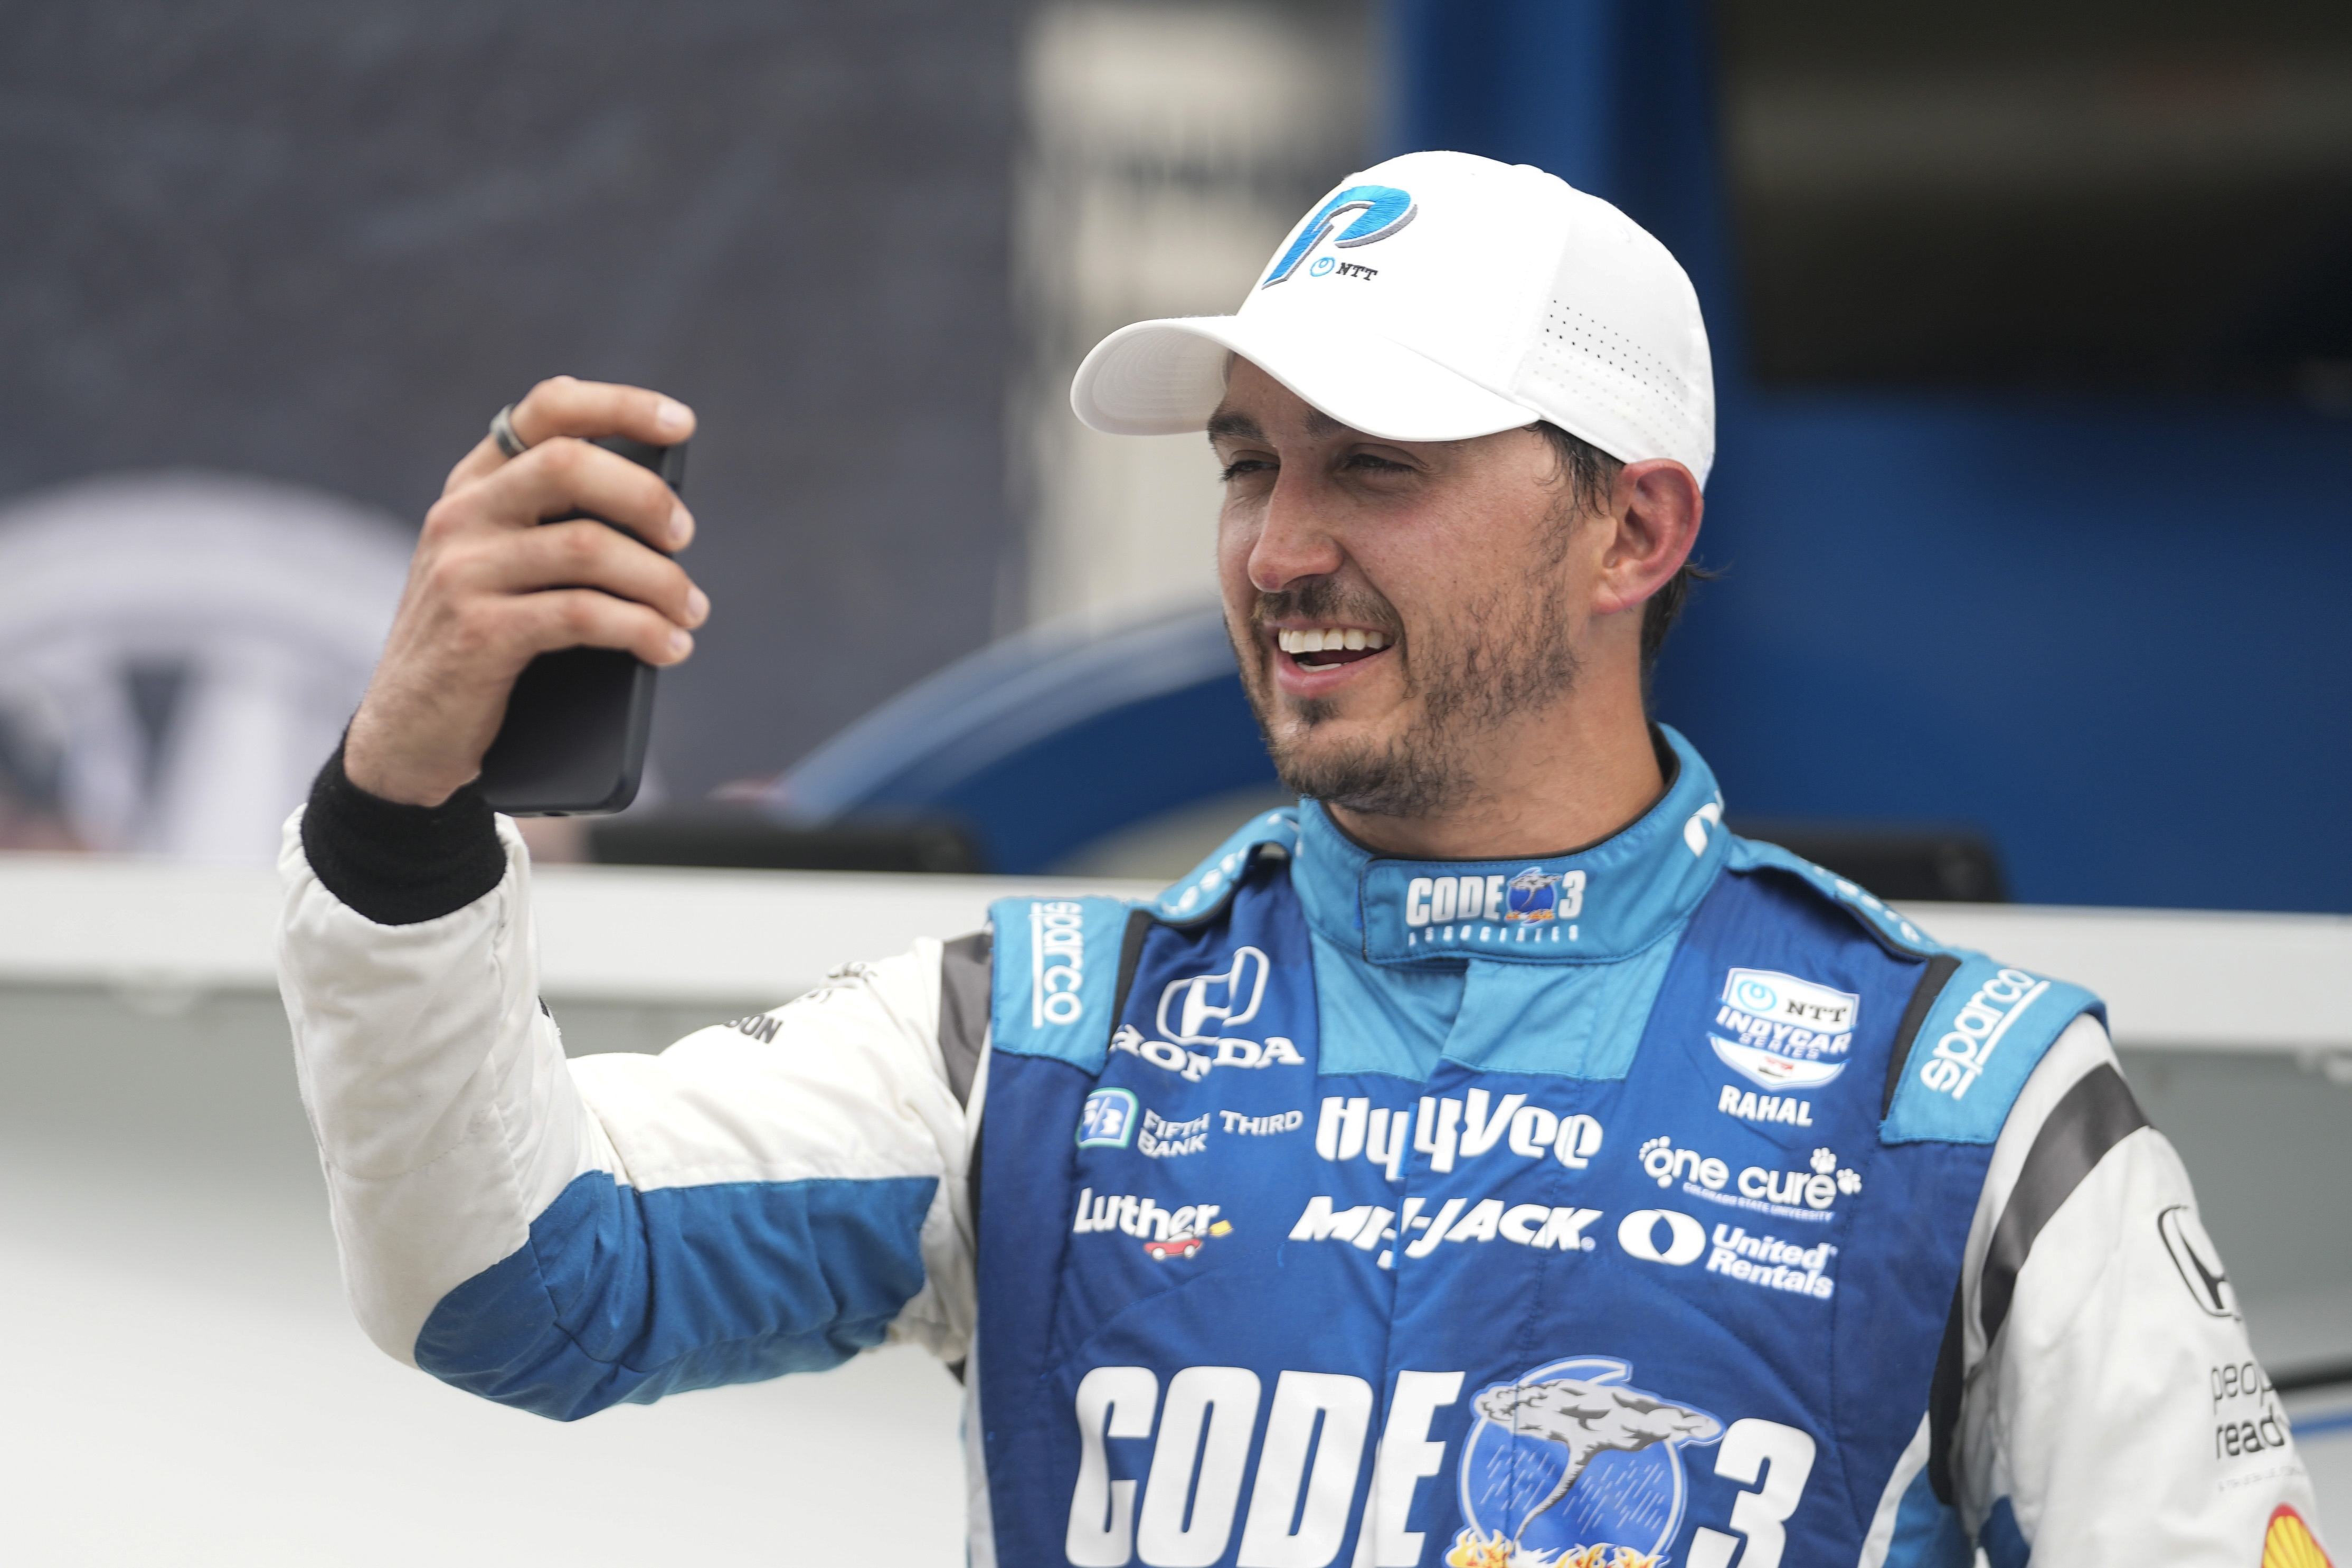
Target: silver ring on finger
column 502, row 431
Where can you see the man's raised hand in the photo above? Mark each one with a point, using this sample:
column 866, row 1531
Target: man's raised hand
column 490, row 588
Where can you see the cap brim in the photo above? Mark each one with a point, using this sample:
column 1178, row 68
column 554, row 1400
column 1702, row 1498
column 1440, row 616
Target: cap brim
column 1166, row 377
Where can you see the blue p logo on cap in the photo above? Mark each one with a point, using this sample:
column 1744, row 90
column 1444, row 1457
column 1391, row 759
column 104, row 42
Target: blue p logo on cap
column 1381, row 211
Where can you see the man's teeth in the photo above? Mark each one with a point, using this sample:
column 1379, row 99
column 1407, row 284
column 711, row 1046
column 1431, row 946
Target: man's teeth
column 1330, row 639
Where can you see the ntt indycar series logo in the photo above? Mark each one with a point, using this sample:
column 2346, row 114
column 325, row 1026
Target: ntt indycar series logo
column 1781, row 1032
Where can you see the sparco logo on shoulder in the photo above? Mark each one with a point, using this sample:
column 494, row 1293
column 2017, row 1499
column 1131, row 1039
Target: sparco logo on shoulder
column 1057, row 961
column 1959, row 1058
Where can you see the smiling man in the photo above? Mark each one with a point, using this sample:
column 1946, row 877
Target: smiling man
column 1480, row 733
column 1492, row 1161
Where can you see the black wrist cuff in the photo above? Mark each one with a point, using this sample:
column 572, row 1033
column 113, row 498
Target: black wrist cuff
column 400, row 865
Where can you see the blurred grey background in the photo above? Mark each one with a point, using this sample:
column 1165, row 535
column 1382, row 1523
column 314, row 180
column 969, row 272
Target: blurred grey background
column 324, row 243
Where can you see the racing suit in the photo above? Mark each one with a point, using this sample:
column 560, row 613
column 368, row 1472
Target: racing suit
column 1669, row 1200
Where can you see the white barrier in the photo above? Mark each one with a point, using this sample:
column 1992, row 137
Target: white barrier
column 176, row 1261
column 2173, row 978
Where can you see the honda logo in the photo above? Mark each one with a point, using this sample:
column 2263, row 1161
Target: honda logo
column 2199, row 1264
column 1212, row 1004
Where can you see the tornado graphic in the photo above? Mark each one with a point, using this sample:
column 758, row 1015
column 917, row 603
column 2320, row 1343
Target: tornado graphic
column 1588, row 1419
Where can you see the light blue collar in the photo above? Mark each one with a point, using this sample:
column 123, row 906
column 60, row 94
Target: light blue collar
column 1597, row 906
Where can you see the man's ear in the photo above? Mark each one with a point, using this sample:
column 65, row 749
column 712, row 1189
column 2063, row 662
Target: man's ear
column 1654, row 507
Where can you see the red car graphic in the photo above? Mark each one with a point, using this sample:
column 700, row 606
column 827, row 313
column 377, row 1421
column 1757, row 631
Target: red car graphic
column 1179, row 1246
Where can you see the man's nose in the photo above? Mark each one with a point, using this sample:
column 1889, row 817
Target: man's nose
column 1294, row 542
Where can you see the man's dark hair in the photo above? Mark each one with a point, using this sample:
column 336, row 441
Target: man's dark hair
column 1592, row 476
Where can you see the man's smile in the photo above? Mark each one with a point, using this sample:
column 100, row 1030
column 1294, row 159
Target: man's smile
column 1310, row 660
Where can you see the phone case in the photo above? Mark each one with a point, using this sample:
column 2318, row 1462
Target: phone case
column 574, row 740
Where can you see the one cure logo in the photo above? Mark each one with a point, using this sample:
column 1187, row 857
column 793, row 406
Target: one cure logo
column 1058, row 963
column 1804, row 1194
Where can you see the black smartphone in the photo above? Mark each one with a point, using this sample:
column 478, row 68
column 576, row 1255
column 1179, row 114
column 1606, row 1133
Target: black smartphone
column 574, row 743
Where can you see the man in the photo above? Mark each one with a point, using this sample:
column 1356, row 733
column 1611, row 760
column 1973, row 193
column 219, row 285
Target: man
column 1492, row 1162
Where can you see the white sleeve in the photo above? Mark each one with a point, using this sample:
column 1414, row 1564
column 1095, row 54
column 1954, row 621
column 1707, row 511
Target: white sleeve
column 762, row 1197
column 2113, row 1410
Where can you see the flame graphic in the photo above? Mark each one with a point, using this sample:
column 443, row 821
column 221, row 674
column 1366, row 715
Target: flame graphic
column 1473, row 1550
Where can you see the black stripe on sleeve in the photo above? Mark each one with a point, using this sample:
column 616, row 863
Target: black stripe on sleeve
column 2096, row 1115
column 2092, row 1118
column 1943, row 1405
column 964, row 972
column 1130, row 955
column 1932, row 981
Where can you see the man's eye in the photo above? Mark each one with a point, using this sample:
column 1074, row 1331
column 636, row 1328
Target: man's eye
column 1367, row 460
column 1242, row 465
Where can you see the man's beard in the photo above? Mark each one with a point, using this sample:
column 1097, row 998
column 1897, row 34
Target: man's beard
column 1515, row 656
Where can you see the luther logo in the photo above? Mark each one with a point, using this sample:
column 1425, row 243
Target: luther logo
column 1198, row 1011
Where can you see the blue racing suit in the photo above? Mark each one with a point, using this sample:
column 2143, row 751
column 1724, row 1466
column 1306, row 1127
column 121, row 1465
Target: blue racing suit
column 1669, row 1200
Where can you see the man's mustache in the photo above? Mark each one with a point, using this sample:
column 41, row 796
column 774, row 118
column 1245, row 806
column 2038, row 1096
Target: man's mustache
column 1326, row 601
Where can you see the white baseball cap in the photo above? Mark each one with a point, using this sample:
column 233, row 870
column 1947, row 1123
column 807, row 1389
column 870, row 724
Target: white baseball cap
column 1436, row 296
